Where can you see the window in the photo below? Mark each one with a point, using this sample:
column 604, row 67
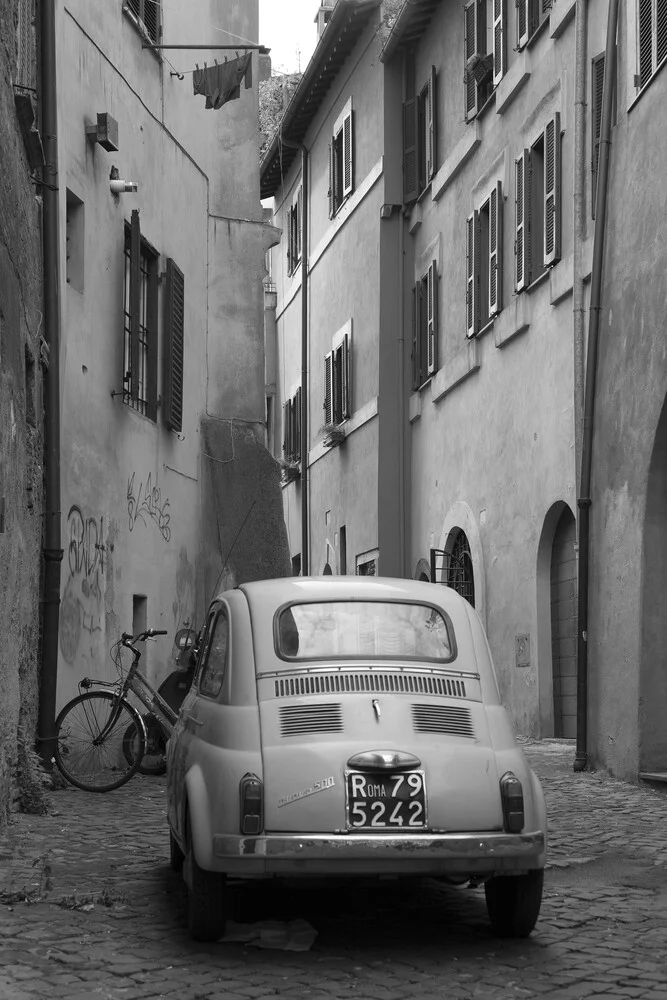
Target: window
column 74, row 241
column 341, row 172
column 425, row 327
column 141, row 296
column 652, row 46
column 174, row 347
column 292, row 428
column 530, row 14
column 478, row 74
column 214, row 657
column 148, row 15
column 484, row 262
column 538, row 208
column 294, row 224
column 337, row 389
column 454, row 568
column 419, row 132
column 342, row 559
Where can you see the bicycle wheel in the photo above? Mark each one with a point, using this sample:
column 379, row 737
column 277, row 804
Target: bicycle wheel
column 91, row 763
column 154, row 760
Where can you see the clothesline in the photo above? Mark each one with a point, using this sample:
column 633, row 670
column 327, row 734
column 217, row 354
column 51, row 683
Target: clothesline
column 232, row 34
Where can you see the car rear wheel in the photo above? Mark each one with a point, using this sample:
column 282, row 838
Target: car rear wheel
column 207, row 899
column 513, row 902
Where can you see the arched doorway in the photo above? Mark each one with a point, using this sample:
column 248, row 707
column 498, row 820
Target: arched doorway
column 653, row 675
column 563, row 579
column 459, row 568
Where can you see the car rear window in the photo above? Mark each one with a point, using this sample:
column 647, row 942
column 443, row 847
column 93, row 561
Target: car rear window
column 368, row 629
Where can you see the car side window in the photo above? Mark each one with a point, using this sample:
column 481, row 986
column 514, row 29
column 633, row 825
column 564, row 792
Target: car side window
column 214, row 656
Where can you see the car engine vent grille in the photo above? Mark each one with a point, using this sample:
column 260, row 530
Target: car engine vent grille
column 452, row 719
column 297, row 720
column 352, row 683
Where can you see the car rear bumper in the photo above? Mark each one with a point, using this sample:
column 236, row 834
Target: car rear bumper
column 380, row 854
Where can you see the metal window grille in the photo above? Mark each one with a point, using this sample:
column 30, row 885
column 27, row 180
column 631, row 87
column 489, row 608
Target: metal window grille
column 138, row 400
column 455, row 569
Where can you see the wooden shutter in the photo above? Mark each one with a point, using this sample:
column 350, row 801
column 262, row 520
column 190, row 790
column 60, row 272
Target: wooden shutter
column 499, row 45
column 345, row 378
column 552, row 178
column 432, row 318
column 660, row 31
column 172, row 376
column 522, row 221
column 286, row 413
column 297, row 424
column 645, row 41
column 332, row 180
column 470, row 49
column 328, row 388
column 495, row 250
column 522, row 22
column 472, row 274
column 597, row 83
column 135, row 301
column 348, row 165
column 151, row 338
column 410, row 132
column 431, row 126
column 299, row 222
column 416, row 367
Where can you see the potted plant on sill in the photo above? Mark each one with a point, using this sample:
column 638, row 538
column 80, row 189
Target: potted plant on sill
column 291, row 470
column 333, row 434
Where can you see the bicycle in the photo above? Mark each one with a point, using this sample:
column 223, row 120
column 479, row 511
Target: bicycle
column 100, row 737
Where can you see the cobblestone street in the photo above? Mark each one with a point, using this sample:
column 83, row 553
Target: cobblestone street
column 89, row 908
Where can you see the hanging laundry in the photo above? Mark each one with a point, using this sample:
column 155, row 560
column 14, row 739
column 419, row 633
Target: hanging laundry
column 222, row 82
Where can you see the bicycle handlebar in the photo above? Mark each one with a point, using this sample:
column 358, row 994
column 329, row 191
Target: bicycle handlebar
column 127, row 638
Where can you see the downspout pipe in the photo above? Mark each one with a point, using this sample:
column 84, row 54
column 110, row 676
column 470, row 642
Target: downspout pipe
column 579, row 226
column 305, row 526
column 52, row 543
column 584, row 499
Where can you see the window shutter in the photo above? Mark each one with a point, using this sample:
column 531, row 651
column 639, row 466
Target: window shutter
column 645, row 40
column 416, row 380
column 151, row 17
column 328, row 388
column 431, row 125
column 345, row 376
column 472, row 274
column 499, row 49
column 297, row 424
column 135, row 301
column 332, row 180
column 522, row 26
column 597, row 83
column 286, row 411
column 299, row 222
column 552, row 177
column 410, row 132
column 290, row 241
column 173, row 347
column 660, row 31
column 470, row 49
column 496, row 250
column 348, row 165
column 522, row 221
column 432, row 317
column 25, row 37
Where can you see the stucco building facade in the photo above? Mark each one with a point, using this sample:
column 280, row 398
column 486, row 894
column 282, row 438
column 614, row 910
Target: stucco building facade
column 455, row 268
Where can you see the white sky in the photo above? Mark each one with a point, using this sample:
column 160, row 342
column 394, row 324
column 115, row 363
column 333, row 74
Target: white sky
column 288, row 28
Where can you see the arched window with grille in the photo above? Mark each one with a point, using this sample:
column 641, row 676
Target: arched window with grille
column 459, row 570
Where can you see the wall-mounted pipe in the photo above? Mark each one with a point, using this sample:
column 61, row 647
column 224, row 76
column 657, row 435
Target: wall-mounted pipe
column 51, row 546
column 584, row 499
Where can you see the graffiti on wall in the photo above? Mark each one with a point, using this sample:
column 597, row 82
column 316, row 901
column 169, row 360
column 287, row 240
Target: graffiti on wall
column 82, row 604
column 147, row 503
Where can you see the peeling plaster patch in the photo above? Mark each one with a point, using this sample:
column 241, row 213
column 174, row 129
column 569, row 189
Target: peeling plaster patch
column 12, row 419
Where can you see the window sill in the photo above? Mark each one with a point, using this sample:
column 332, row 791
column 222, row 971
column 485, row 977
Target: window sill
column 456, row 160
column 648, row 83
column 487, row 326
column 513, row 320
column 540, row 280
column 561, row 14
column 457, row 370
column 539, row 31
column 513, row 81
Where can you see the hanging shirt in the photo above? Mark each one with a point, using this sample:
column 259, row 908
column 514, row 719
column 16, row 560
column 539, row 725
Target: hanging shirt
column 222, row 82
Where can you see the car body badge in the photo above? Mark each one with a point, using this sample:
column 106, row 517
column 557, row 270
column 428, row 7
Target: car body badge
column 317, row 786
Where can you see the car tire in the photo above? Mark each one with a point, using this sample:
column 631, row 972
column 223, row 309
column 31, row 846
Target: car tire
column 176, row 856
column 513, row 902
column 207, row 899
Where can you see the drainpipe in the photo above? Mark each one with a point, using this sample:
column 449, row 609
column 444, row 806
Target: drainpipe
column 402, row 485
column 52, row 549
column 305, row 533
column 584, row 499
column 579, row 227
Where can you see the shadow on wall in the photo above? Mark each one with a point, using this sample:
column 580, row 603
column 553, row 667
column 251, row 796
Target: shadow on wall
column 243, row 529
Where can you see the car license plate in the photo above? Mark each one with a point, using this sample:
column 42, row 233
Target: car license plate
column 379, row 801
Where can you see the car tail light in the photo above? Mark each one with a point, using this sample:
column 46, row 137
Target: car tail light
column 252, row 798
column 511, row 794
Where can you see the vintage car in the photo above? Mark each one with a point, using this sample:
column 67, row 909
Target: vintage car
column 350, row 726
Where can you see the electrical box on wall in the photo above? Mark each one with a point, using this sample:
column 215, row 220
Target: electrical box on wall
column 105, row 132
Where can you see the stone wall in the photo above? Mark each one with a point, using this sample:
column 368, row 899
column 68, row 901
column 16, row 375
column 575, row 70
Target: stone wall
column 20, row 421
